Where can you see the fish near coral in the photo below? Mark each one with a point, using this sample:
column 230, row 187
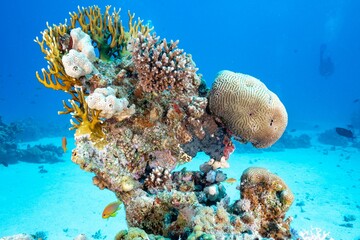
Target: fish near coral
column 230, row 180
column 345, row 132
column 64, row 144
column 111, row 209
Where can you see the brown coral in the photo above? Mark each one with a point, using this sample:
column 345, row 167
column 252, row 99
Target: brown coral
column 248, row 108
column 161, row 65
column 269, row 198
column 159, row 179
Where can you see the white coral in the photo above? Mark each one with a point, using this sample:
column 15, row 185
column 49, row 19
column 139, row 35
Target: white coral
column 315, row 234
column 104, row 99
column 78, row 61
column 82, row 43
column 76, row 64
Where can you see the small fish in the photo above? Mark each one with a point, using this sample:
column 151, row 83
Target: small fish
column 345, row 132
column 356, row 100
column 230, row 180
column 111, row 209
column 64, row 144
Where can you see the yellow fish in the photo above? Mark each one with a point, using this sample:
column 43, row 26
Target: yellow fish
column 111, row 209
column 64, row 144
column 230, row 180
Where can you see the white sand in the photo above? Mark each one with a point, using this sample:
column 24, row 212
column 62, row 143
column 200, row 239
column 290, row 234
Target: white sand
column 64, row 203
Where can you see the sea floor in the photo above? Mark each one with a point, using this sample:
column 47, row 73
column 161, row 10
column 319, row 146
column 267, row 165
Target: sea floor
column 62, row 202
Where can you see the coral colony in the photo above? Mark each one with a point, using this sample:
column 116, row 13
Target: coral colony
column 139, row 109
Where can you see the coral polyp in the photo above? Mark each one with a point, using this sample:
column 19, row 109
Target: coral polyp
column 140, row 109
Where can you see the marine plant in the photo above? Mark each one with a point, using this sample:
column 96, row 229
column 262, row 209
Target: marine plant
column 140, row 109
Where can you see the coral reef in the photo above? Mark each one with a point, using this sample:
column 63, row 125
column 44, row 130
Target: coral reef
column 31, row 129
column 141, row 111
column 269, row 198
column 291, row 141
column 330, row 137
column 250, row 110
column 8, row 145
column 11, row 153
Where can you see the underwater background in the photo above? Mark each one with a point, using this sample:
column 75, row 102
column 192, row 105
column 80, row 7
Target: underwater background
column 307, row 52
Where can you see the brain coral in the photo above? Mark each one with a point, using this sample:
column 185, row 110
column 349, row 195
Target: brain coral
column 248, row 108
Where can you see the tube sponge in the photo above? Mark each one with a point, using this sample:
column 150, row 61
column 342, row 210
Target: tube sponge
column 248, row 108
column 104, row 99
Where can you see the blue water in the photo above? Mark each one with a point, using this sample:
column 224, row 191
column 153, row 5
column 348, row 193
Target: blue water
column 276, row 41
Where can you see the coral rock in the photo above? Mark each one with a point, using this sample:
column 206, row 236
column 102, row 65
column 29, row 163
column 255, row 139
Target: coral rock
column 248, row 108
column 269, row 198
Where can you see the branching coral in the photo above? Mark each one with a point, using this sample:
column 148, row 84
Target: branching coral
column 160, row 65
column 106, row 29
column 87, row 120
column 55, row 76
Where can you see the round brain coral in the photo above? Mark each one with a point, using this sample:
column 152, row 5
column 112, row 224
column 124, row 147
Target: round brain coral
column 248, row 108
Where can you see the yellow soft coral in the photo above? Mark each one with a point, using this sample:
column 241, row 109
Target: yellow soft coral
column 110, row 37
column 106, row 29
column 87, row 120
column 54, row 77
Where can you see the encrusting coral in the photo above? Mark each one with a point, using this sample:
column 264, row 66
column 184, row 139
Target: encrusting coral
column 269, row 198
column 140, row 110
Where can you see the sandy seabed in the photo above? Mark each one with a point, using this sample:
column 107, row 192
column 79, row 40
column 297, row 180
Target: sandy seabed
column 64, row 203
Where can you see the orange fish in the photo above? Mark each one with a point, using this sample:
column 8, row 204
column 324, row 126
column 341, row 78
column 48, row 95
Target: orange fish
column 111, row 209
column 230, row 180
column 63, row 144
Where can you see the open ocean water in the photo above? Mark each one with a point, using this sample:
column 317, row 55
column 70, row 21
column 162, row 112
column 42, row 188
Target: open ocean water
column 307, row 52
